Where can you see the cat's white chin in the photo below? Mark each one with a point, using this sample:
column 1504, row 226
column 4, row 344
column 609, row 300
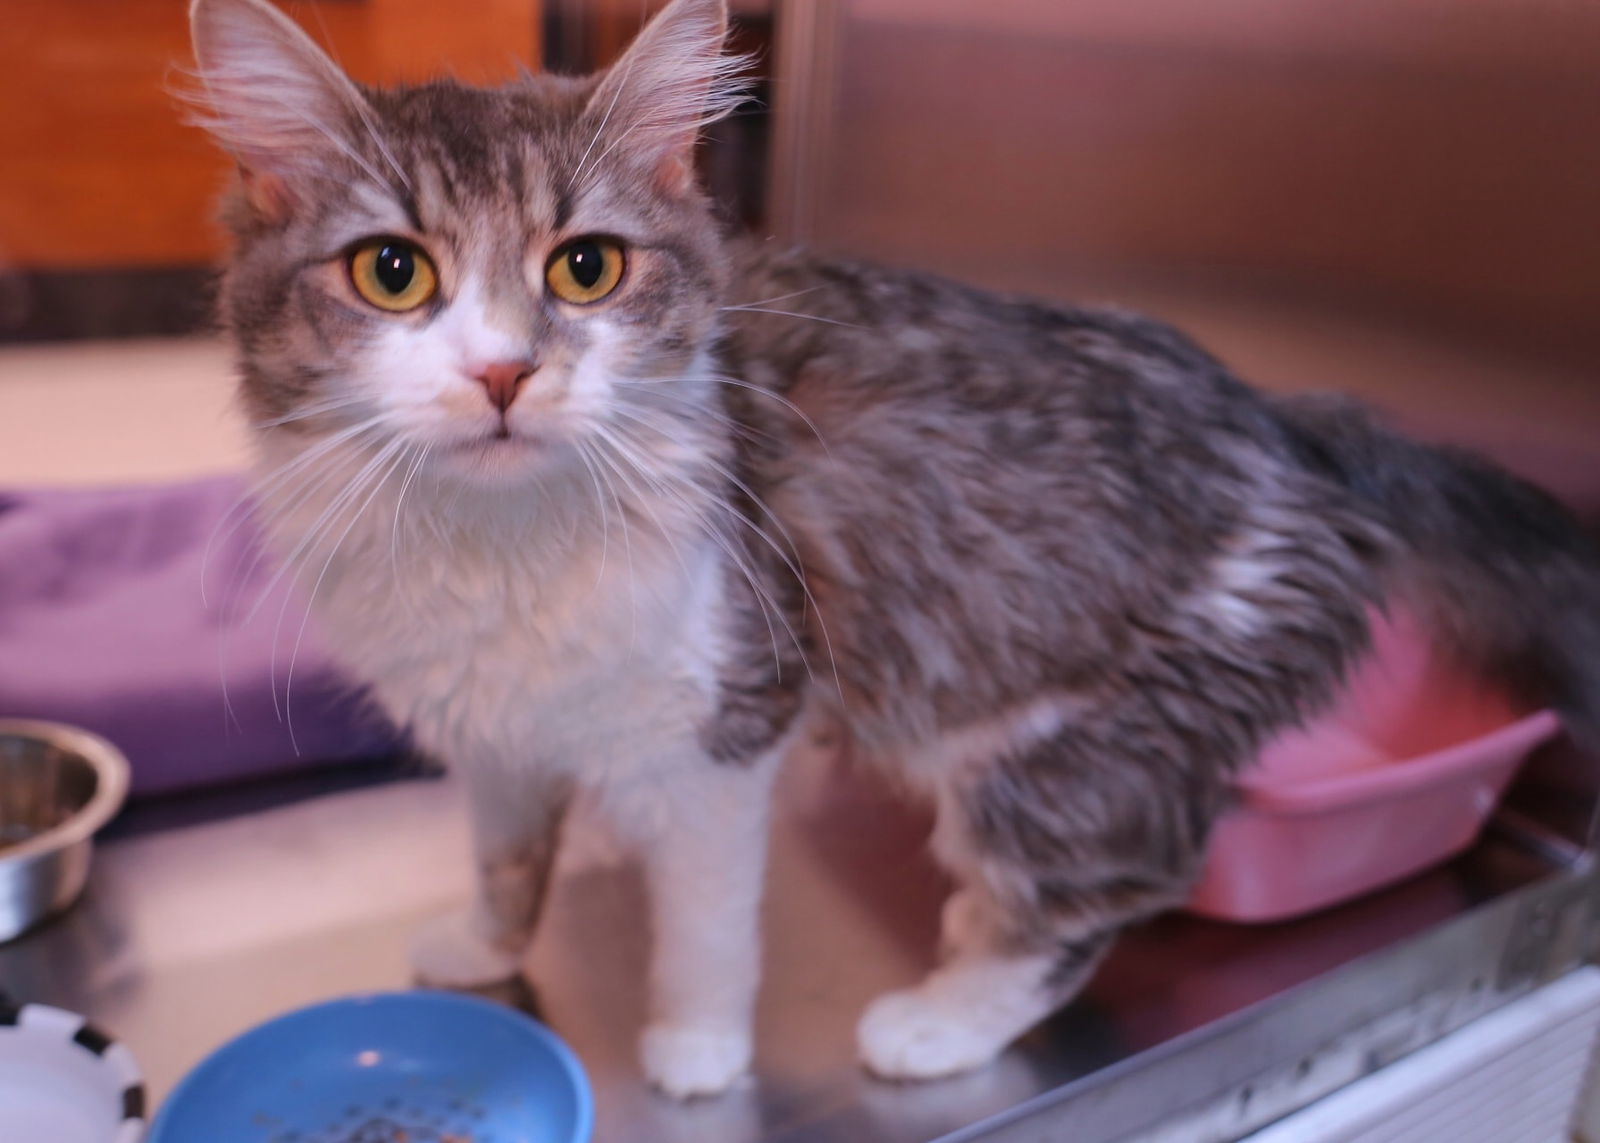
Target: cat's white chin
column 492, row 459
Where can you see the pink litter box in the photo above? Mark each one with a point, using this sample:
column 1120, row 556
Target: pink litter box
column 1400, row 775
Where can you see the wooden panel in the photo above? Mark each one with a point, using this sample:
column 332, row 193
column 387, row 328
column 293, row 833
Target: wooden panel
column 100, row 171
column 1541, row 35
column 1401, row 160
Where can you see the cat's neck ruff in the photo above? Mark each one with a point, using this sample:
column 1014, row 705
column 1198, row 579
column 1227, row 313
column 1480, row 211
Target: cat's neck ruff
column 557, row 578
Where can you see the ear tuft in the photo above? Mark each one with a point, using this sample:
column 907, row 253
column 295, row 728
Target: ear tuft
column 271, row 97
column 673, row 81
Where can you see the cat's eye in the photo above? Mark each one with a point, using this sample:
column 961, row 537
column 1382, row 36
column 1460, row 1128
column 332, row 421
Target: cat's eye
column 392, row 274
column 585, row 270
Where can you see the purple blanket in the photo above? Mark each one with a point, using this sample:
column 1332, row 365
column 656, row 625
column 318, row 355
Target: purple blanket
column 104, row 624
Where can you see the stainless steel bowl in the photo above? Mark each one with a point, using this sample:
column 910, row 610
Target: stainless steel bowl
column 58, row 785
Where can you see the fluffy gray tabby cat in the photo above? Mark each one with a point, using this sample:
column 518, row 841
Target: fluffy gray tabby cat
column 588, row 516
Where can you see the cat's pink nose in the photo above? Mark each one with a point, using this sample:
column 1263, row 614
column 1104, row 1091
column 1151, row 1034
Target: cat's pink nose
column 502, row 380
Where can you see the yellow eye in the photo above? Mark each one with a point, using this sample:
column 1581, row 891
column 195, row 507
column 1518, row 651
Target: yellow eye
column 392, row 274
column 585, row 271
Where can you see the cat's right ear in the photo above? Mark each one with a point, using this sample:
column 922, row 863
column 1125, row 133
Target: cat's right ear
column 274, row 100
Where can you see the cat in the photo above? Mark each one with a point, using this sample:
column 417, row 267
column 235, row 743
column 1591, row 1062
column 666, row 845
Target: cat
column 599, row 500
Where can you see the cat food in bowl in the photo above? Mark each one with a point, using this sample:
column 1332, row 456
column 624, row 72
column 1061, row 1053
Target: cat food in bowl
column 1400, row 775
column 396, row 1067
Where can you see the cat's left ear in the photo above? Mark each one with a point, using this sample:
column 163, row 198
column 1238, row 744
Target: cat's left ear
column 275, row 101
column 672, row 81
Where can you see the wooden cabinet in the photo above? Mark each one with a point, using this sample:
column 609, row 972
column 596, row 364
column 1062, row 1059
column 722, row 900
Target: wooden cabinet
column 97, row 169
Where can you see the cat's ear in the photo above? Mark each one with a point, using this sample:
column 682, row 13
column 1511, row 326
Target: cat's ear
column 273, row 99
column 673, row 80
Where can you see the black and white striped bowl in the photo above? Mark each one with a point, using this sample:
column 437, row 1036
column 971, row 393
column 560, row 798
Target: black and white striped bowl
column 64, row 1080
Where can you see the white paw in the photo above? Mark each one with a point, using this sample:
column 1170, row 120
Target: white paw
column 451, row 952
column 910, row 1035
column 684, row 1060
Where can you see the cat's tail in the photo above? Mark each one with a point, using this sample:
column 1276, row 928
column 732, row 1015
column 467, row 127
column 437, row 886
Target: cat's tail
column 1499, row 571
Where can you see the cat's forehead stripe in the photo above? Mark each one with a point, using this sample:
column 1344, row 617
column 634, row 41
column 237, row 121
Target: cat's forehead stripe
column 482, row 149
column 516, row 178
column 511, row 189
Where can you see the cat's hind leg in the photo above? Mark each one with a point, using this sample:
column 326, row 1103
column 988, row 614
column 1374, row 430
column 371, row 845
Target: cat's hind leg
column 993, row 985
column 986, row 993
column 516, row 823
column 1052, row 862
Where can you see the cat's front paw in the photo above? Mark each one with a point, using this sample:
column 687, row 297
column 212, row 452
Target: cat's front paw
column 450, row 952
column 686, row 1060
column 919, row 1034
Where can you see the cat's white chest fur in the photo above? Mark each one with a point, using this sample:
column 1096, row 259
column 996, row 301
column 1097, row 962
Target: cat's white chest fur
column 505, row 646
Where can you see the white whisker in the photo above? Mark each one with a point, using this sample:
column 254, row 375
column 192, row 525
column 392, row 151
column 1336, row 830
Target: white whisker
column 777, row 298
column 314, row 478
column 268, row 483
column 362, row 109
column 307, row 411
column 642, row 499
column 790, row 558
column 622, row 81
column 405, row 486
column 615, row 143
column 627, row 547
column 728, row 475
column 656, row 384
column 398, row 450
column 324, row 523
column 700, row 409
column 605, row 517
column 328, row 133
column 768, row 604
column 383, row 148
column 791, row 313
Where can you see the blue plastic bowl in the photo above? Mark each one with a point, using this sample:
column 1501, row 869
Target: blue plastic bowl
column 419, row 1066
